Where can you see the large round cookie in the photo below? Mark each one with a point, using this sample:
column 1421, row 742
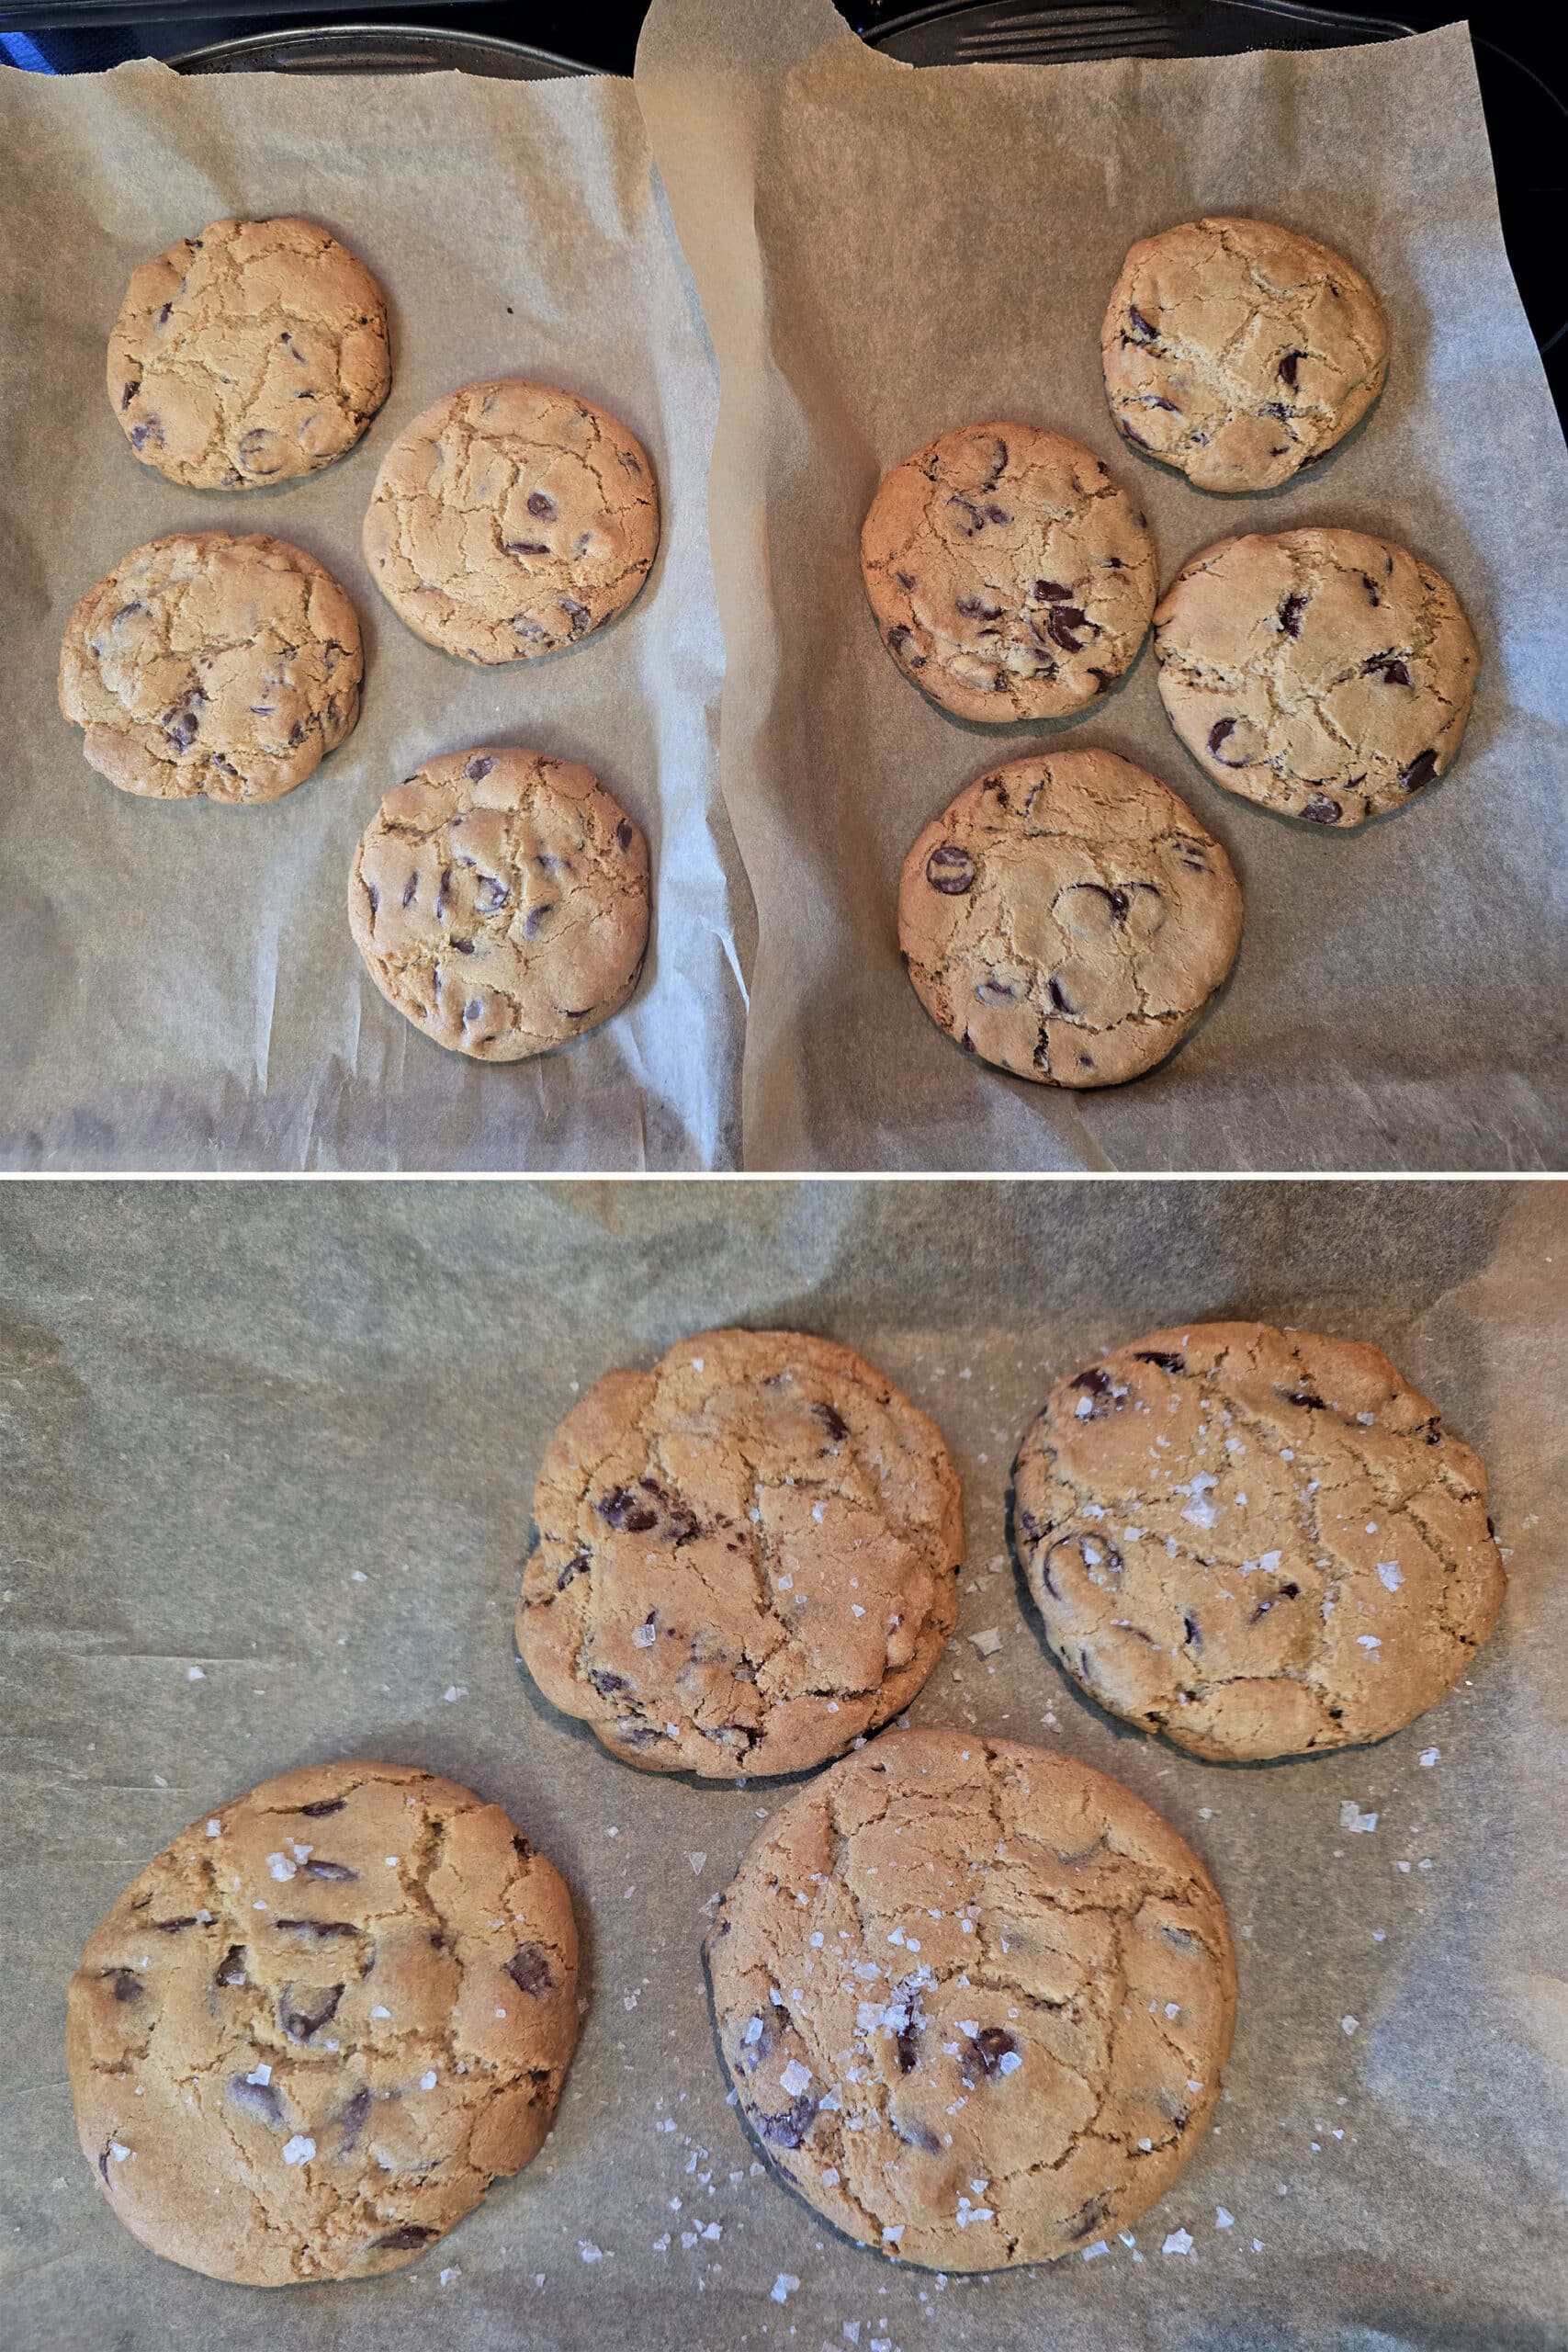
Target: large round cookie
column 253, row 353
column 1010, row 577
column 974, row 1999
column 1237, row 351
column 1260, row 1542
column 1068, row 918
column 1323, row 674
column 500, row 900
column 510, row 519
column 308, row 2038
column 747, row 1556
column 207, row 663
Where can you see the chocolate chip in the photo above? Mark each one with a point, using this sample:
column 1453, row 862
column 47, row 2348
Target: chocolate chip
column 1321, row 810
column 1372, row 588
column 126, row 610
column 464, row 946
column 789, row 2129
column 530, row 1970
column 975, row 608
column 173, row 1927
column 181, row 722
column 1394, row 674
column 260, row 2101
column 231, row 1967
column 1089, row 2216
column 995, row 991
column 898, row 641
column 1421, row 771
column 528, row 628
column 606, row 1683
column 536, row 916
column 1220, row 732
column 624, row 833
column 441, row 889
column 1065, row 622
column 479, row 767
column 1276, row 408
column 579, row 617
column 525, row 547
column 907, row 2045
column 916, row 2135
column 1153, row 399
column 1095, row 1381
column 1179, row 1938
column 128, row 1985
column 351, row 2121
column 1059, row 995
column 1141, row 330
column 261, row 452
column 498, row 893
column 1288, row 367
column 317, row 1931
column 148, row 429
column 626, row 1510
column 1166, row 1363
column 1291, row 612
column 1128, row 434
column 1102, row 681
column 1190, row 1629
column 129, row 394
column 951, row 870
column 968, row 516
column 338, row 1872
column 998, row 514
column 402, row 2240
column 540, row 505
column 1291, row 1591
column 375, row 894
column 1306, row 1397
column 303, row 2010
column 576, row 1566
column 991, row 2045
column 410, row 886
column 1189, row 853
column 833, row 1421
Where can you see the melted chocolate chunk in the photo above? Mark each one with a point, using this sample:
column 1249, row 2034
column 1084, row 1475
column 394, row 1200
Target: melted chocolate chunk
column 128, row 1985
column 951, row 870
column 1138, row 328
column 336, row 1871
column 1321, row 810
column 833, row 1421
column 478, row 767
column 788, row 2129
column 231, row 1967
column 1068, row 624
column 606, row 1683
column 260, row 2101
column 1287, row 366
column 1421, row 771
column 1291, row 612
column 626, row 1510
column 352, row 2120
column 1165, row 1361
column 530, row 1970
column 624, row 833
column 304, row 2009
column 402, row 2240
column 539, row 505
column 991, row 2045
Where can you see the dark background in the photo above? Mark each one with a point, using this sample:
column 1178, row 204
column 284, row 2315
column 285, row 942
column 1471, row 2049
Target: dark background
column 1524, row 85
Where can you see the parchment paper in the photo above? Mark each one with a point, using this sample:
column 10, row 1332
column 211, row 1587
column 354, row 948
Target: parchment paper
column 268, row 1459
column 883, row 253
column 178, row 987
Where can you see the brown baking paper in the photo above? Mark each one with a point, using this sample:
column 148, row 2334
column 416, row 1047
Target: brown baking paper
column 266, row 1497
column 178, row 987
column 883, row 253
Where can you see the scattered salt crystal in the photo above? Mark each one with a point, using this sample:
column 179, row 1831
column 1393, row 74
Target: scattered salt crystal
column 1349, row 2025
column 195, row 1674
column 280, row 1866
column 119, row 2154
column 1008, row 2062
column 447, row 2277
column 298, row 2150
column 427, row 2080
column 785, row 2285
column 830, row 2178
column 795, row 2078
column 1098, row 2246
column 644, row 1636
column 1178, row 2241
column 1223, row 2220
column 891, row 2233
column 214, row 1828
column 589, row 2251
column 1391, row 1574
column 1429, row 1755
column 753, row 2031
column 455, row 1691
column 696, row 1861
column 1369, row 1641
column 989, row 1642
column 261, row 2074
column 1351, row 1816
column 379, row 2012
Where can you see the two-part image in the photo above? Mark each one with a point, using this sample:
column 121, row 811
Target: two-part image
column 658, row 1742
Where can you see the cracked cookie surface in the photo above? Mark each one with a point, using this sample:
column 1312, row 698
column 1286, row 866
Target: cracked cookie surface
column 1010, row 577
column 1067, row 919
column 500, row 900
column 1325, row 674
column 312, row 2032
column 207, row 663
column 249, row 354
column 1260, row 1542
column 975, row 1999
column 512, row 519
column 1237, row 351
column 747, row 1556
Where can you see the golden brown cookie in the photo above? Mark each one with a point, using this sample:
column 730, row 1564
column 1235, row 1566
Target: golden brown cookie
column 1010, row 577
column 747, row 1556
column 512, row 519
column 1068, row 918
column 313, row 2031
column 974, row 1999
column 249, row 354
column 204, row 663
column 500, row 900
column 1260, row 1542
column 1238, row 352
column 1324, row 674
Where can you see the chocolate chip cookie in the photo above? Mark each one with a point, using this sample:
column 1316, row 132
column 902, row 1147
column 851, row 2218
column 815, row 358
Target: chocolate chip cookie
column 1238, row 352
column 1010, row 577
column 747, row 1556
column 512, row 519
column 500, row 900
column 1260, row 1542
column 249, row 354
column 1324, row 674
column 974, row 1999
column 204, row 663
column 309, row 2037
column 1068, row 918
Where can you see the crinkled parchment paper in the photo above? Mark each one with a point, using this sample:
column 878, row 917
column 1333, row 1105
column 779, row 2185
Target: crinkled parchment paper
column 884, row 251
column 178, row 987
column 268, row 1456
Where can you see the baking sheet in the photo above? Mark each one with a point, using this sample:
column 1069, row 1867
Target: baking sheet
column 883, row 253
column 178, row 987
column 267, row 1475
